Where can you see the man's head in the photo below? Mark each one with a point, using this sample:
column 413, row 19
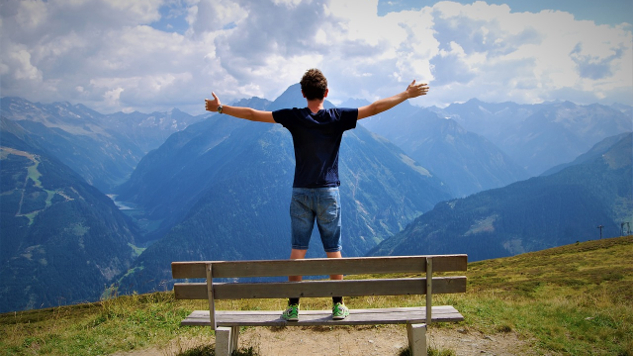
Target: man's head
column 314, row 85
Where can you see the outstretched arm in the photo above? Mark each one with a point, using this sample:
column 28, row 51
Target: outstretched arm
column 238, row 111
column 412, row 91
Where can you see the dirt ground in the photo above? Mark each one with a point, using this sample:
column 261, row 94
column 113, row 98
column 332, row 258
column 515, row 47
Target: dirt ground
column 384, row 340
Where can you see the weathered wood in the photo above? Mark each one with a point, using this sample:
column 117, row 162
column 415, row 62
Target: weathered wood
column 319, row 266
column 227, row 323
column 411, row 315
column 210, row 295
column 325, row 288
column 429, row 289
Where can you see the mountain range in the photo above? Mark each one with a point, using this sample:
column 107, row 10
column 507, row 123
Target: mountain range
column 103, row 149
column 538, row 137
column 466, row 161
column 541, row 212
column 414, row 180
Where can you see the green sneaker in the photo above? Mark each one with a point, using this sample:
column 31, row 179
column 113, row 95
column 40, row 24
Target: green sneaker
column 291, row 313
column 339, row 311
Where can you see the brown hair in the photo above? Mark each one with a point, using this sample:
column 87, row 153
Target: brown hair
column 313, row 84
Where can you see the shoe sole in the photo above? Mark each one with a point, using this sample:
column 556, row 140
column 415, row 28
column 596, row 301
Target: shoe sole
column 339, row 317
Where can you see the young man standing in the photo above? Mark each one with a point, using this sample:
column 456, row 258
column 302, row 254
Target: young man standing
column 316, row 134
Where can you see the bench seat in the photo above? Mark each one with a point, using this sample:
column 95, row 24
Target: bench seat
column 411, row 315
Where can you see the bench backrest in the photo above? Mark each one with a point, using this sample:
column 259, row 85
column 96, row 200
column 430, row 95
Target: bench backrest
column 424, row 265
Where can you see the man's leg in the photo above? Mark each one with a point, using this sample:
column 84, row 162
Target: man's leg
column 329, row 224
column 292, row 311
column 296, row 255
column 301, row 224
column 293, row 303
column 336, row 254
column 339, row 310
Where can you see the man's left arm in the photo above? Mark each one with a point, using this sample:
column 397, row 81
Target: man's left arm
column 413, row 91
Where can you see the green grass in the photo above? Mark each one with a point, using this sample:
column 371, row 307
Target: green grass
column 571, row 300
column 430, row 352
column 575, row 299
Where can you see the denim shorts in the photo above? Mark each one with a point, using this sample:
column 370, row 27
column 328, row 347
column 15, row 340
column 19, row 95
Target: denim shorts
column 322, row 205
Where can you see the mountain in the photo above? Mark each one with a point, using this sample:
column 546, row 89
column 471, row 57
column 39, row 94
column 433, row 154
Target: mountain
column 62, row 241
column 74, row 134
column 540, row 136
column 625, row 109
column 531, row 215
column 103, row 149
column 467, row 162
column 170, row 179
column 491, row 120
column 596, row 151
column 228, row 184
column 148, row 131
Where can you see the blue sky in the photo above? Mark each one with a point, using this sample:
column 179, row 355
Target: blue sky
column 609, row 12
column 147, row 55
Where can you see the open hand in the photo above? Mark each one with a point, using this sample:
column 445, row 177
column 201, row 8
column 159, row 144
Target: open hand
column 414, row 90
column 212, row 105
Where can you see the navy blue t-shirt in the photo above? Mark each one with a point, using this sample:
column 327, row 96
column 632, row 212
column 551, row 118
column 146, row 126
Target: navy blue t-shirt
column 316, row 138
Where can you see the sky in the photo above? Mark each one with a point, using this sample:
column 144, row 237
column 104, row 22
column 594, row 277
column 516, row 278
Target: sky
column 155, row 55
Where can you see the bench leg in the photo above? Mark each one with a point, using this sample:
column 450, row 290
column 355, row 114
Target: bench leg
column 226, row 340
column 417, row 339
column 235, row 334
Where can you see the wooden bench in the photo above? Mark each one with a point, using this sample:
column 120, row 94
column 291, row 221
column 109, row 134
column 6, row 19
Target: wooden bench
column 226, row 323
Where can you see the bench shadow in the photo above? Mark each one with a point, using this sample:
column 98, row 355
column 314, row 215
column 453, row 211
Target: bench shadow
column 322, row 328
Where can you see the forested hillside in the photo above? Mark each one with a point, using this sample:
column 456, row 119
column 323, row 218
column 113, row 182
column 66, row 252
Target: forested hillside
column 62, row 241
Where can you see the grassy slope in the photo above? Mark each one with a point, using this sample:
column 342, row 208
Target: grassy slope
column 575, row 299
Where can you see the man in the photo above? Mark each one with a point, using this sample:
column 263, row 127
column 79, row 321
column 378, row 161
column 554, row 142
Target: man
column 316, row 134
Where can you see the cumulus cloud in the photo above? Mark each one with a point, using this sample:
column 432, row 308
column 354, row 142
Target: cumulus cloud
column 124, row 55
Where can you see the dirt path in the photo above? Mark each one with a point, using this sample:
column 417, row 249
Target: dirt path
column 355, row 341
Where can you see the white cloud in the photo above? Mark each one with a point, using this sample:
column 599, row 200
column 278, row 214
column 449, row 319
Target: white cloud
column 242, row 48
column 528, row 56
column 215, row 15
column 23, row 69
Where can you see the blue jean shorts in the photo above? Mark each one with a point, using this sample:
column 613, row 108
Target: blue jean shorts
column 322, row 205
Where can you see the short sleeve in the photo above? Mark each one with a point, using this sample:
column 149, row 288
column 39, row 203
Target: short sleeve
column 349, row 117
column 282, row 116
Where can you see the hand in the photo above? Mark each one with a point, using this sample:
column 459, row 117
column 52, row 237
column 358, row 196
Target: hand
column 212, row 105
column 415, row 90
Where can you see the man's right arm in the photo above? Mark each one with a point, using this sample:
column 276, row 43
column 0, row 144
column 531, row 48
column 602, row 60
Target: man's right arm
column 239, row 111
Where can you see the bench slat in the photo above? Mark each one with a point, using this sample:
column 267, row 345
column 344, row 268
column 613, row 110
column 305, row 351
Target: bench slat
column 442, row 313
column 319, row 266
column 326, row 288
